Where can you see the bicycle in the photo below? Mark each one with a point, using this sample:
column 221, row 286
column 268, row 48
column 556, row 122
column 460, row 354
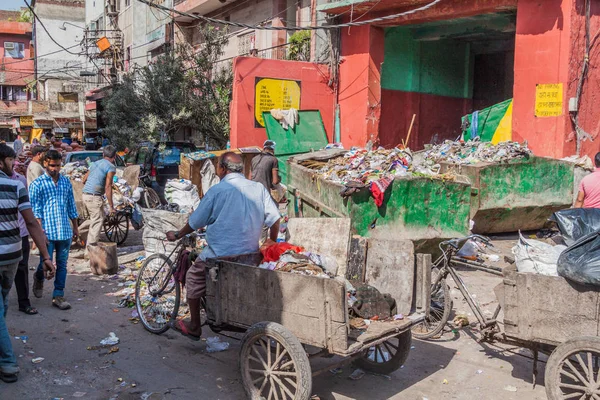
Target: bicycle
column 157, row 291
column 150, row 198
column 441, row 303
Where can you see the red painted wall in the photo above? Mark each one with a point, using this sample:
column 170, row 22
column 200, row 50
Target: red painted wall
column 315, row 95
column 359, row 94
column 16, row 69
column 542, row 52
column 435, row 115
column 589, row 110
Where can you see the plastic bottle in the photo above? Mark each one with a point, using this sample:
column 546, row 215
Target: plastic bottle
column 228, row 145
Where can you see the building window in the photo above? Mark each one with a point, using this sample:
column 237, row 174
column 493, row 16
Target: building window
column 13, row 93
column 14, row 50
column 246, row 43
column 127, row 3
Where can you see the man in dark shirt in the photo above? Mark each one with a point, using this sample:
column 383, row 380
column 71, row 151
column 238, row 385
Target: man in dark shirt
column 265, row 167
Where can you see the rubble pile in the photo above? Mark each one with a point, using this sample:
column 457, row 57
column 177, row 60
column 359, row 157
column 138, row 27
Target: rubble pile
column 473, row 152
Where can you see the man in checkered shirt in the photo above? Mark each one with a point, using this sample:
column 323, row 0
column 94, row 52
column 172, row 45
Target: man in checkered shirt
column 51, row 197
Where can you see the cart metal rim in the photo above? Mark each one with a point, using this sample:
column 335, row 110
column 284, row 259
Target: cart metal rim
column 579, row 375
column 268, row 364
column 382, row 352
column 116, row 228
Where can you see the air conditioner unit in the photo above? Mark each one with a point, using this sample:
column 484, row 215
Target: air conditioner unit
column 9, row 45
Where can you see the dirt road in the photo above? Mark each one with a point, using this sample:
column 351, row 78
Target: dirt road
column 172, row 367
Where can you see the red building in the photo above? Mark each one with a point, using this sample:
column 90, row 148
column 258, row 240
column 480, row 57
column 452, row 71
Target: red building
column 458, row 56
column 16, row 63
column 17, row 69
column 449, row 58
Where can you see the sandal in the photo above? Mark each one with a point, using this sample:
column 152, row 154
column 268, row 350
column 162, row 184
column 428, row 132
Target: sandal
column 180, row 327
column 29, row 310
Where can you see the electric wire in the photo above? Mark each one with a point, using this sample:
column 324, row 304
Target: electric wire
column 291, row 28
column 46, row 30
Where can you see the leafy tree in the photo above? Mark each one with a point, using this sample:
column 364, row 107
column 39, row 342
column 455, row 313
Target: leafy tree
column 182, row 89
column 299, row 49
column 25, row 16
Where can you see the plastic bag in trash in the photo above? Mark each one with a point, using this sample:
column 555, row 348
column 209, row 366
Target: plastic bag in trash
column 137, row 220
column 214, row 344
column 536, row 257
column 580, row 262
column 575, row 223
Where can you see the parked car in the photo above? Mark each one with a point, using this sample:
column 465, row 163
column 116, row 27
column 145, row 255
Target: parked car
column 159, row 162
column 92, row 155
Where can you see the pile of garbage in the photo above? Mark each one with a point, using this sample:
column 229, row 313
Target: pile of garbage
column 75, row 171
column 375, row 169
column 286, row 257
column 473, row 152
column 183, row 193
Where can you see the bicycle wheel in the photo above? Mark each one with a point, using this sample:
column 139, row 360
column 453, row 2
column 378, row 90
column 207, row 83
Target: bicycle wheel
column 439, row 309
column 151, row 198
column 157, row 294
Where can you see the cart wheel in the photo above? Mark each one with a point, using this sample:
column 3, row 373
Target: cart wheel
column 274, row 364
column 151, row 198
column 116, row 228
column 386, row 357
column 573, row 368
column 439, row 309
column 157, row 294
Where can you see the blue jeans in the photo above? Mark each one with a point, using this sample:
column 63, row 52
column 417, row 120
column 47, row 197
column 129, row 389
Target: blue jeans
column 62, row 248
column 7, row 276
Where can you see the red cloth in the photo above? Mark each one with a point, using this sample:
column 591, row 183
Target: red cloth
column 378, row 189
column 274, row 251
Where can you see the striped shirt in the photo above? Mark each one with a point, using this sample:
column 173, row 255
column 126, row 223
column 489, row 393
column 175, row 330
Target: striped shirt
column 13, row 200
column 54, row 204
column 22, row 225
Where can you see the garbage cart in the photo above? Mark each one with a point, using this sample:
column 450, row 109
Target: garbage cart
column 282, row 313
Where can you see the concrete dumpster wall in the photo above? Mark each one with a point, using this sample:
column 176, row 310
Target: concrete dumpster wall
column 517, row 196
column 414, row 208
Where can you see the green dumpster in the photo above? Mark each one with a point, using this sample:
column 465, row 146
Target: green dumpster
column 519, row 195
column 414, row 208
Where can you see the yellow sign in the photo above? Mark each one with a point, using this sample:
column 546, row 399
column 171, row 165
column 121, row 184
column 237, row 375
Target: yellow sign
column 549, row 100
column 26, row 121
column 274, row 93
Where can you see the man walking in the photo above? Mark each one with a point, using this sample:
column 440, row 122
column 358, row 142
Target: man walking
column 22, row 276
column 35, row 169
column 234, row 212
column 98, row 181
column 14, row 201
column 265, row 167
column 18, row 145
column 54, row 205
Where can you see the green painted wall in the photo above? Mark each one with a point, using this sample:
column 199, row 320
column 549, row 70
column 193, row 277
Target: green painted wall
column 439, row 67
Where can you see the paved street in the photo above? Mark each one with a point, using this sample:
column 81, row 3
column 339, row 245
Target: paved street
column 172, row 367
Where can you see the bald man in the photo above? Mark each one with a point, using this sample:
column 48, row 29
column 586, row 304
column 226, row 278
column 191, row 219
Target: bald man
column 234, row 213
